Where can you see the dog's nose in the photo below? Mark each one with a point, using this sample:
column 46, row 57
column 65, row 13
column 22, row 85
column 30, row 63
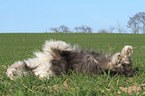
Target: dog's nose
column 131, row 73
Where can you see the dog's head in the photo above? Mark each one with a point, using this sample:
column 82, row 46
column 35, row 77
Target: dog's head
column 18, row 69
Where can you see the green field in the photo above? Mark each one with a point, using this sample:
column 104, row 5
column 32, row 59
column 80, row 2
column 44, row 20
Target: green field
column 14, row 47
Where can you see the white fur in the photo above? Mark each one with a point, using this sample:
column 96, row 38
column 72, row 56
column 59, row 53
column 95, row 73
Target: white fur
column 114, row 60
column 41, row 60
column 124, row 51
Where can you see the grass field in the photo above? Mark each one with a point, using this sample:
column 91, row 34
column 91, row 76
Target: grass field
column 15, row 47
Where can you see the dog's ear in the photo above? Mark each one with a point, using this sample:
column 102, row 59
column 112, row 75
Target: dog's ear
column 25, row 66
column 24, row 62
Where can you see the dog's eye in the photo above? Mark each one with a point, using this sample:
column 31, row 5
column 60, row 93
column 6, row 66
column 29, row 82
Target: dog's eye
column 66, row 47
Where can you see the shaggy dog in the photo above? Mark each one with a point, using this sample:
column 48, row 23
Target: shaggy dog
column 59, row 57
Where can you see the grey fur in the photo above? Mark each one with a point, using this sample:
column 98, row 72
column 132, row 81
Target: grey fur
column 84, row 61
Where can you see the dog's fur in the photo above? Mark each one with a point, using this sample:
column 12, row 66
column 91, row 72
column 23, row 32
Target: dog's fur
column 58, row 57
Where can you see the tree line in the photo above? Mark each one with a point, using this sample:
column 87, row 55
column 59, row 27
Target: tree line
column 136, row 23
column 65, row 29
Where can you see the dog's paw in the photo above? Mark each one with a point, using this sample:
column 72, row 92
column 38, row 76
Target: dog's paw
column 116, row 58
column 126, row 55
column 127, row 51
column 116, row 62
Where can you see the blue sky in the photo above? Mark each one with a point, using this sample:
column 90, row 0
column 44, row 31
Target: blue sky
column 41, row 15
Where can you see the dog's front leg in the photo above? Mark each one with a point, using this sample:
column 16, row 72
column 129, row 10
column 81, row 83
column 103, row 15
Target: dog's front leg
column 126, row 61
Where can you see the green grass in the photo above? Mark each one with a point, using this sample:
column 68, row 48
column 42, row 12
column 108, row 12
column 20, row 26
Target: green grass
column 14, row 47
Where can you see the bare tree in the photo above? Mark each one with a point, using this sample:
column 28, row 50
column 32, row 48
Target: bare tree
column 111, row 28
column 89, row 29
column 83, row 29
column 64, row 29
column 61, row 29
column 55, row 30
column 137, row 23
column 77, row 30
column 103, row 31
column 120, row 28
